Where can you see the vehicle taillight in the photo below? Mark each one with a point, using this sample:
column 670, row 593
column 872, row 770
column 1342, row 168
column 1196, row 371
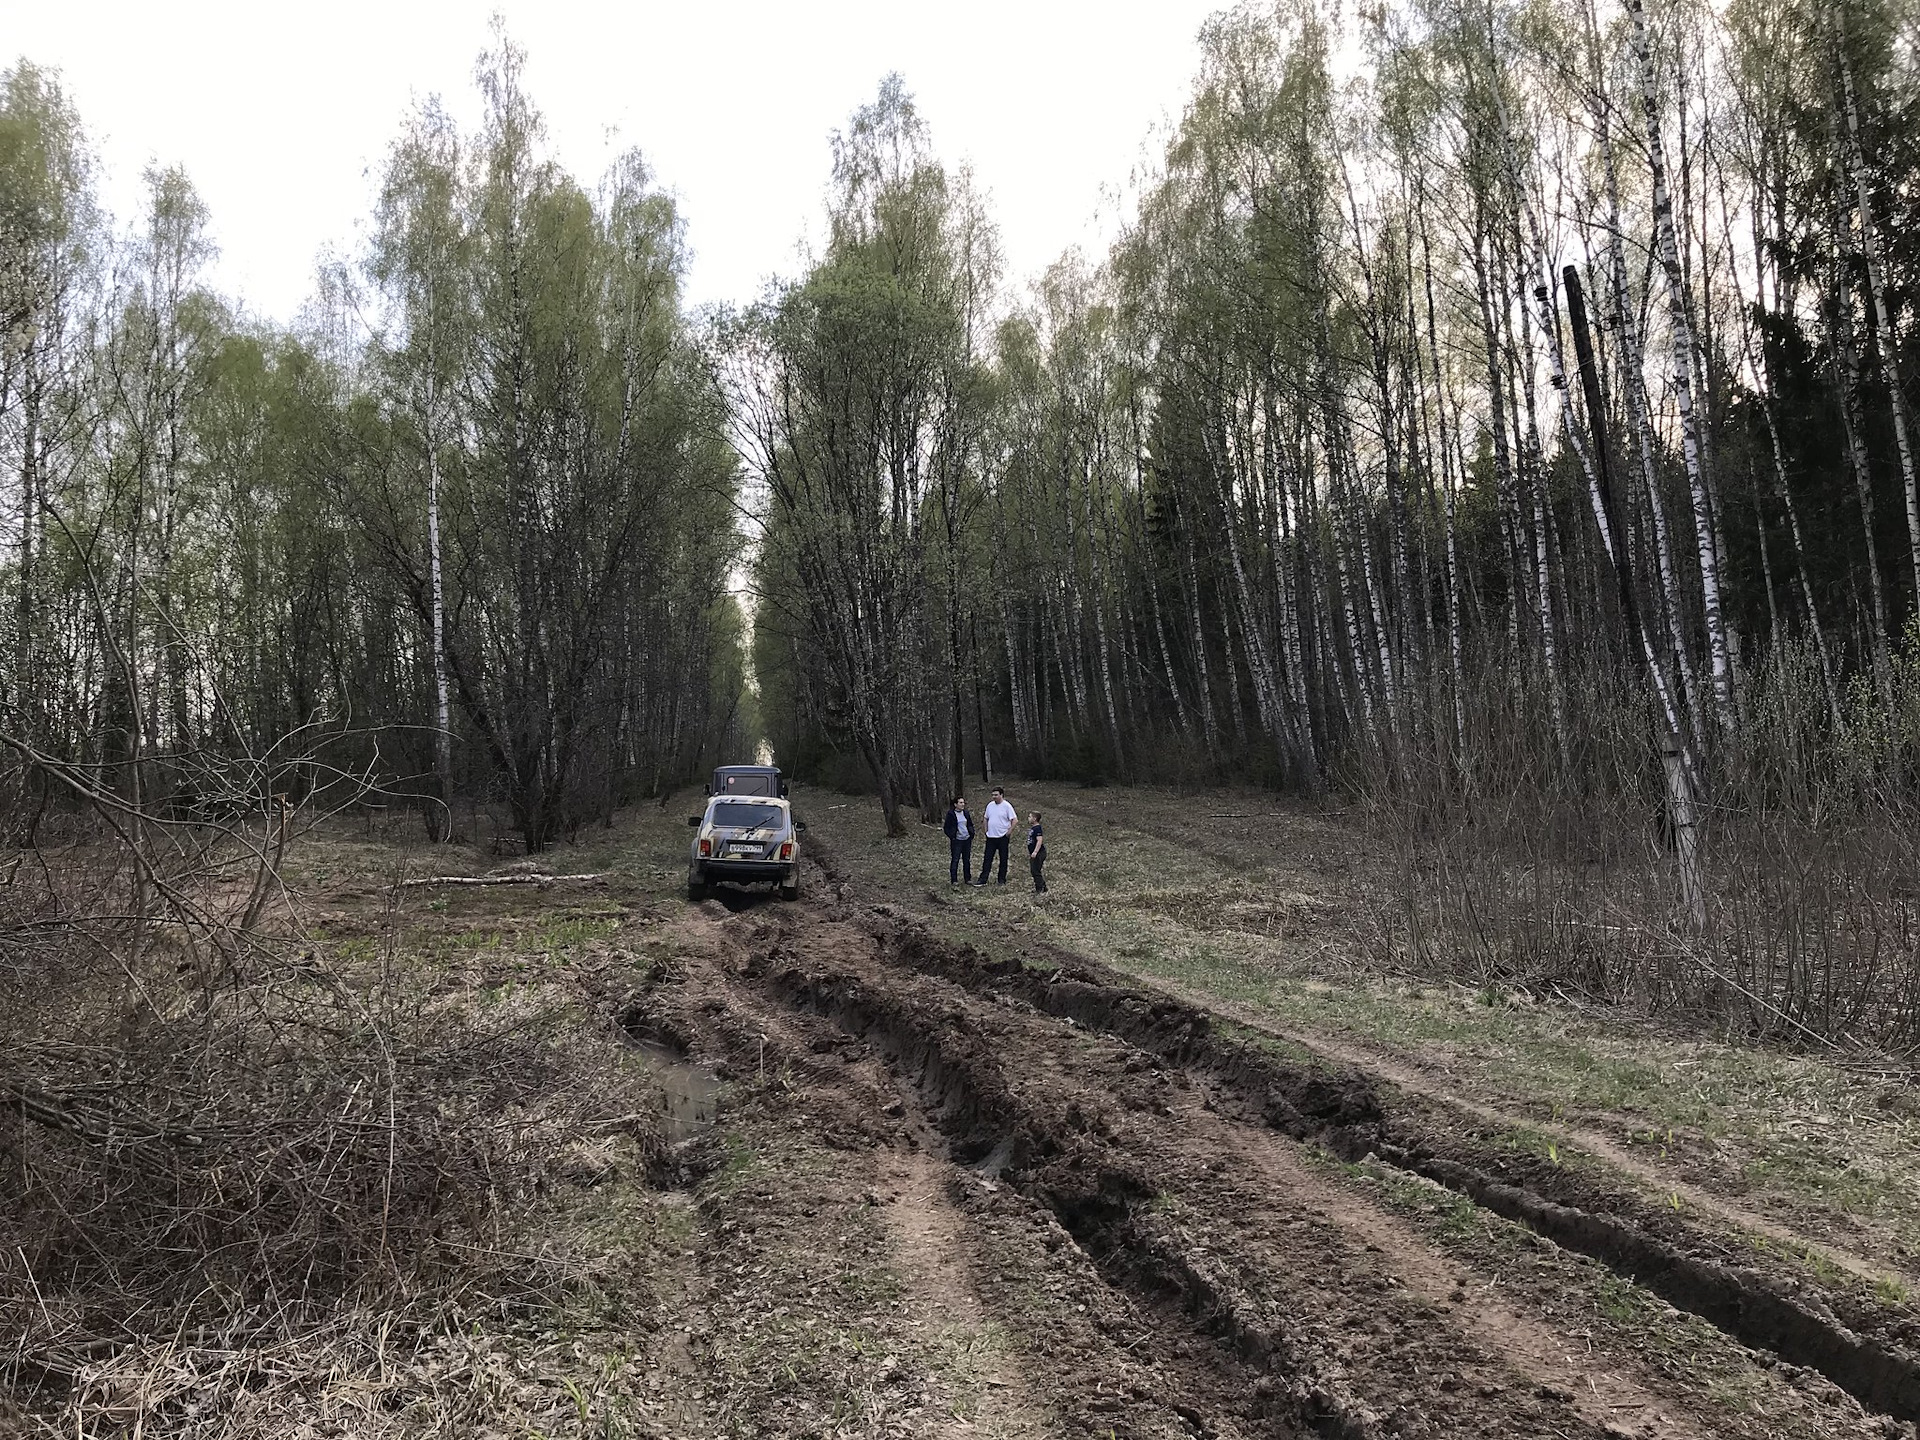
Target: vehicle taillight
column 706, row 847
column 786, row 851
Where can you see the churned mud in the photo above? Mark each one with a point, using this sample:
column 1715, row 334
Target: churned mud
column 939, row 1192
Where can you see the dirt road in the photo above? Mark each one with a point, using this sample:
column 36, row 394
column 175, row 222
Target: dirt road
column 1020, row 1195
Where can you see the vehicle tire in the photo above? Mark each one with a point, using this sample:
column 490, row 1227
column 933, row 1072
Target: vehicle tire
column 790, row 889
column 696, row 888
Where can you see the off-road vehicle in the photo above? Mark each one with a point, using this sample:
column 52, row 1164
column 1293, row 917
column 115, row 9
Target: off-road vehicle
column 748, row 839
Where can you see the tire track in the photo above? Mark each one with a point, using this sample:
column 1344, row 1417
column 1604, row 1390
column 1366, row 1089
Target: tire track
column 1344, row 1111
column 1278, row 1300
column 1155, row 1194
column 1414, row 1080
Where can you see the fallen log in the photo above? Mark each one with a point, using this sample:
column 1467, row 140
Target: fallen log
column 541, row 880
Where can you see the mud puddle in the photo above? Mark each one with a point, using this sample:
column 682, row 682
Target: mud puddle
column 687, row 1095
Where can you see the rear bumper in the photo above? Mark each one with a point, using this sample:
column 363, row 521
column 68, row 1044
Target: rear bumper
column 716, row 870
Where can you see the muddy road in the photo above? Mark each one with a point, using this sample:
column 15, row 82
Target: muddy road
column 953, row 1193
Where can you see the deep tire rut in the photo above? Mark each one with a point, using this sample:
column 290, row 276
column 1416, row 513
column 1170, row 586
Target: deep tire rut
column 1345, row 1113
column 1250, row 1286
column 1308, row 1323
column 1088, row 1189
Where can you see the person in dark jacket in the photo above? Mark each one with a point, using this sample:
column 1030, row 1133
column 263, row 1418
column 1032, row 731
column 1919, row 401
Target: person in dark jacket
column 1037, row 853
column 959, row 828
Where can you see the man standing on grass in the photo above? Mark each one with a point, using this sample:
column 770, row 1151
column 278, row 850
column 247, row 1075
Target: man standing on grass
column 959, row 828
column 1000, row 818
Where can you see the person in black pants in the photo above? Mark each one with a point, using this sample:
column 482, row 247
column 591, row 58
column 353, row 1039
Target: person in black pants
column 1001, row 818
column 1037, row 853
column 959, row 827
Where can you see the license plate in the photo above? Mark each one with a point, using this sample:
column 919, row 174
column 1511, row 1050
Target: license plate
column 753, row 850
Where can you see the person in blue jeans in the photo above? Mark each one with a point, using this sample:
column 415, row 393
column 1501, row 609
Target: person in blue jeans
column 959, row 828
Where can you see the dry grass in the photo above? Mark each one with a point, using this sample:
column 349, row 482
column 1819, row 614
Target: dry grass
column 1522, row 858
column 269, row 1182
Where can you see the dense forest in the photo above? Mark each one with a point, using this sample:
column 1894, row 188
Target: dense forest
column 1294, row 486
column 465, row 533
column 1493, row 414
column 1315, row 481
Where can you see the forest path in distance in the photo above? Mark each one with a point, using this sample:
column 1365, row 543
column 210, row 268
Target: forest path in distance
column 953, row 1162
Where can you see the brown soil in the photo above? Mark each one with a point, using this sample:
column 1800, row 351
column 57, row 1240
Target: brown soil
column 1446, row 1090
column 994, row 1198
column 1661, row 1178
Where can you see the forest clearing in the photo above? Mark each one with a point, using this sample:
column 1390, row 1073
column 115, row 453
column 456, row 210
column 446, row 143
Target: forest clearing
column 1167, row 1152
column 1439, row 590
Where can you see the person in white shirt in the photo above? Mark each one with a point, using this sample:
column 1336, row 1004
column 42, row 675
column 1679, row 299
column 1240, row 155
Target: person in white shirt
column 1000, row 817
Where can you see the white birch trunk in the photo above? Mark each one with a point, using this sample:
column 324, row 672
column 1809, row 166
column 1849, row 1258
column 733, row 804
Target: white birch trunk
column 443, row 731
column 1640, row 411
column 1446, row 485
column 1101, row 643
column 1615, row 545
column 1667, row 247
column 1356, row 649
column 1016, row 692
column 1502, row 452
column 1536, row 494
column 1259, row 665
column 1209, row 722
column 1151, row 581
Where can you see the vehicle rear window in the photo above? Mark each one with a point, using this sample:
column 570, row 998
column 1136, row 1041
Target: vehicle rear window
column 744, row 814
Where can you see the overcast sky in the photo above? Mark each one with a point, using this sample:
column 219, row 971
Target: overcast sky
column 282, row 113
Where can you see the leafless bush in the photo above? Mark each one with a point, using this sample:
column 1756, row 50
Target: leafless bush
column 219, row 1138
column 1543, row 860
